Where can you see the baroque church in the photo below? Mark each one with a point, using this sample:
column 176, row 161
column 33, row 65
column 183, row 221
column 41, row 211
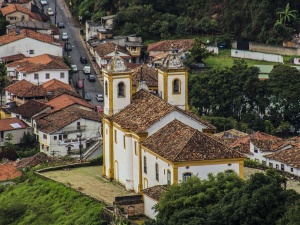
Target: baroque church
column 152, row 139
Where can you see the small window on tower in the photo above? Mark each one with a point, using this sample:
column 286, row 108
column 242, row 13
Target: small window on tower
column 121, row 89
column 176, row 86
column 105, row 88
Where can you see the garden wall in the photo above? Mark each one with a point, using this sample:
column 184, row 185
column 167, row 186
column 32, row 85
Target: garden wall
column 256, row 56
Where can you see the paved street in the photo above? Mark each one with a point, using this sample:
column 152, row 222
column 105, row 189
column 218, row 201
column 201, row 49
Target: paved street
column 78, row 49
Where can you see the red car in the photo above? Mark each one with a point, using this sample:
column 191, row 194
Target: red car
column 99, row 109
column 79, row 84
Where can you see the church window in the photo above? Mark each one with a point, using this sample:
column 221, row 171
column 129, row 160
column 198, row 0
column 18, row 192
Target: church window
column 145, row 164
column 156, row 172
column 124, row 141
column 116, row 136
column 169, row 177
column 105, row 88
column 176, row 86
column 121, row 89
column 135, row 148
column 186, row 176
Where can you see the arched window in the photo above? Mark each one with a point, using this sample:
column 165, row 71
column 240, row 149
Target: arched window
column 176, row 86
column 121, row 89
column 156, row 172
column 105, row 88
column 145, row 164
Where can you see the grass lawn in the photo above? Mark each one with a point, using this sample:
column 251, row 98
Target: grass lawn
column 223, row 59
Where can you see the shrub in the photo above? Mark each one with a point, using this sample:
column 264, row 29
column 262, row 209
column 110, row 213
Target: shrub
column 97, row 161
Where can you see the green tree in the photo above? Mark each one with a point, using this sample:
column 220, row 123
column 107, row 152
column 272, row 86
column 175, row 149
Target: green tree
column 3, row 80
column 3, row 24
column 284, row 94
column 197, row 53
column 287, row 15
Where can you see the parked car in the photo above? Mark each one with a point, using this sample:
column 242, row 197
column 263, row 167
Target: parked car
column 87, row 69
column 68, row 47
column 74, row 68
column 99, row 109
column 87, row 96
column 92, row 78
column 64, row 36
column 99, row 98
column 43, row 2
column 60, row 25
column 50, row 12
column 79, row 83
column 83, row 59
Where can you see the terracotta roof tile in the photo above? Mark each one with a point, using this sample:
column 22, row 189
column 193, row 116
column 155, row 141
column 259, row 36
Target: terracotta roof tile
column 66, row 100
column 56, row 84
column 155, row 191
column 242, row 145
column 150, row 75
column 60, row 91
column 8, row 172
column 146, row 109
column 180, row 44
column 104, row 49
column 266, row 142
column 49, row 123
column 18, row 8
column 12, row 36
column 38, row 63
column 12, row 58
column 24, row 88
column 290, row 156
column 178, row 142
column 6, row 124
column 233, row 133
column 29, row 109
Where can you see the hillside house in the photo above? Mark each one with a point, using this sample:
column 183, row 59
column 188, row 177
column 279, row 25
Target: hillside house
column 39, row 69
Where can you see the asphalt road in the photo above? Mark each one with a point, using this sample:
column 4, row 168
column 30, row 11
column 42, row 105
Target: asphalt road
column 73, row 30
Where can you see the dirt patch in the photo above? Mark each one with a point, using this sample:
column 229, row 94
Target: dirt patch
column 291, row 184
column 89, row 181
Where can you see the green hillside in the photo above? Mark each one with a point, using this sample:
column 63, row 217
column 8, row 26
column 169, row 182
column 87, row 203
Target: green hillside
column 38, row 201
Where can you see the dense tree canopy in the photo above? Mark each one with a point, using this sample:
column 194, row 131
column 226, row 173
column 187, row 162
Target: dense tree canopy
column 228, row 200
column 264, row 21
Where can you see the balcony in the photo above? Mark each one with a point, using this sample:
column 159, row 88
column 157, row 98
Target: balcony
column 74, row 129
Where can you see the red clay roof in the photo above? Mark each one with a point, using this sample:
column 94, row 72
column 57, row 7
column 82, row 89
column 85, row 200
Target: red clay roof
column 146, row 109
column 29, row 109
column 8, row 124
column 178, row 142
column 180, row 44
column 38, row 63
column 18, row 8
column 66, row 100
column 56, row 84
column 12, row 58
column 104, row 49
column 150, row 75
column 8, row 172
column 24, row 88
column 266, row 142
column 155, row 191
column 12, row 36
column 49, row 123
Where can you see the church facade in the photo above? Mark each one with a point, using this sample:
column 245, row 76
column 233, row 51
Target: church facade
column 150, row 139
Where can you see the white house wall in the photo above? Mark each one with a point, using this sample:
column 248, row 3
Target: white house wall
column 148, row 205
column 277, row 165
column 175, row 115
column 160, row 83
column 259, row 155
column 204, row 170
column 16, row 135
column 106, row 147
column 163, row 167
column 89, row 129
column 23, row 46
column 53, row 74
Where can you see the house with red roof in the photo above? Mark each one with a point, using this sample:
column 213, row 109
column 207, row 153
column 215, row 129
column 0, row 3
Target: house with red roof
column 39, row 69
column 15, row 127
column 14, row 13
column 29, row 43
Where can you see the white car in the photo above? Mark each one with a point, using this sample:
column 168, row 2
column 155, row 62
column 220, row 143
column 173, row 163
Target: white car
column 43, row 2
column 74, row 68
column 50, row 12
column 64, row 36
column 99, row 97
column 87, row 69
